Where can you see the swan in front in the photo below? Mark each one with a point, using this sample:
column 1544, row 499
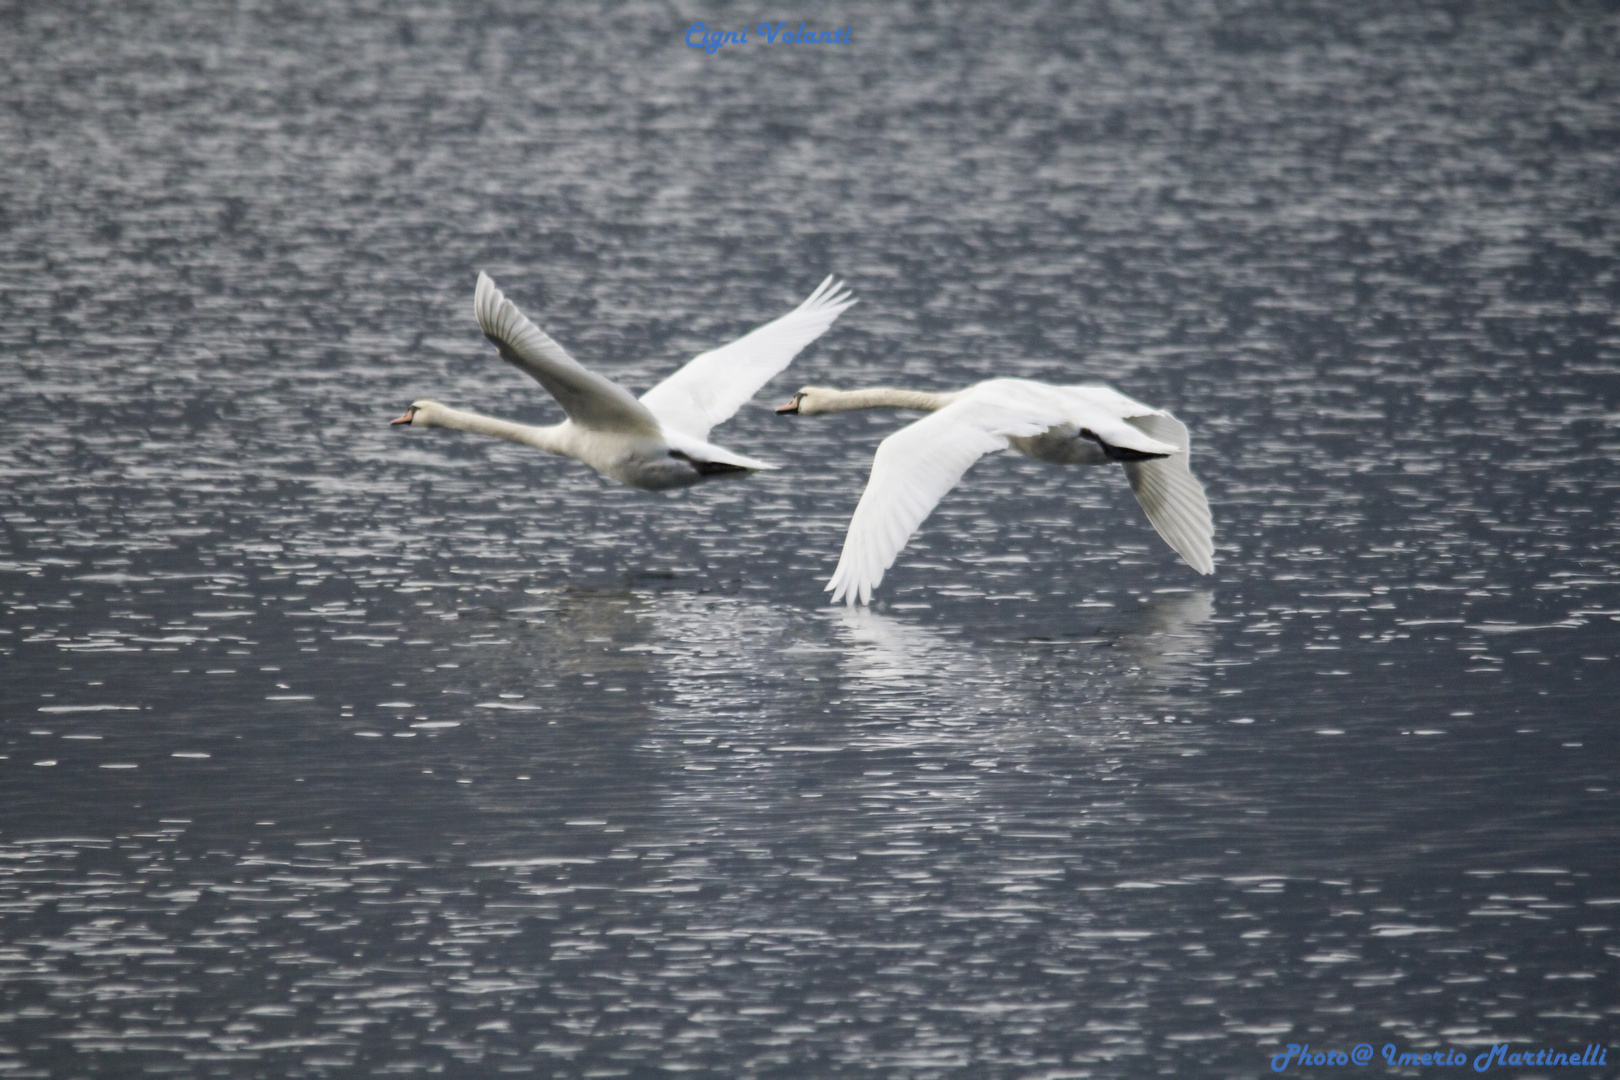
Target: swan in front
column 660, row 441
column 1064, row 425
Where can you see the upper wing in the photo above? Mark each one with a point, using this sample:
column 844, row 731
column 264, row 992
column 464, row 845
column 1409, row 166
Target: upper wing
column 713, row 386
column 912, row 471
column 589, row 399
column 1171, row 495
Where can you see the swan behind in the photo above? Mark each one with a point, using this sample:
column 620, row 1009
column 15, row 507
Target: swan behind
column 1065, row 425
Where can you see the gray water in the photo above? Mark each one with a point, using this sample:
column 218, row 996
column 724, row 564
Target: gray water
column 335, row 749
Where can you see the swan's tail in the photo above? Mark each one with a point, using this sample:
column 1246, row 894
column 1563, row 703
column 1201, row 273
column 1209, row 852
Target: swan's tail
column 711, row 459
column 722, row 468
column 1171, row 496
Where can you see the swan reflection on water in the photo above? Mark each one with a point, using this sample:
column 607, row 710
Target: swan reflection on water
column 601, row 692
column 865, row 664
column 1154, row 648
column 705, row 653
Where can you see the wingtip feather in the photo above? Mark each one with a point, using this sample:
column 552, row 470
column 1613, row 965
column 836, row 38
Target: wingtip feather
column 831, row 297
column 487, row 303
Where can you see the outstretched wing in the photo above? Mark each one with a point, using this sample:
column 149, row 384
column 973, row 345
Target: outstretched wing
column 1171, row 495
column 912, row 471
column 589, row 399
column 713, row 386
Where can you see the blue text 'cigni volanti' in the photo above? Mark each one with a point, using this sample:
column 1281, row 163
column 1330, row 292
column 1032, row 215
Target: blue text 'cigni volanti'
column 712, row 39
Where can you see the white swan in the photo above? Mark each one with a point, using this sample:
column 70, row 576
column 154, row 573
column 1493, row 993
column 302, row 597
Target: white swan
column 1066, row 425
column 660, row 441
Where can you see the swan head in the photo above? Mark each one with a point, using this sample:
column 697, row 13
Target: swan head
column 419, row 414
column 808, row 401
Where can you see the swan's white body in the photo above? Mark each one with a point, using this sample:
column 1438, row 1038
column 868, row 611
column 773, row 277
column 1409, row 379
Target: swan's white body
column 660, row 441
column 1065, row 425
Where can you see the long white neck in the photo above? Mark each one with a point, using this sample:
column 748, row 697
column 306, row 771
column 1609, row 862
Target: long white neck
column 879, row 397
column 541, row 438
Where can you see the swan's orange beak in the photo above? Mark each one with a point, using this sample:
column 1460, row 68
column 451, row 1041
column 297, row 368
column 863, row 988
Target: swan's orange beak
column 410, row 414
column 790, row 407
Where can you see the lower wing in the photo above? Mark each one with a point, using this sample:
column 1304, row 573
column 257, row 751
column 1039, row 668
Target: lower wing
column 1171, row 495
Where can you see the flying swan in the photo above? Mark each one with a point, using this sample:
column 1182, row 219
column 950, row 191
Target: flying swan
column 1065, row 425
column 660, row 441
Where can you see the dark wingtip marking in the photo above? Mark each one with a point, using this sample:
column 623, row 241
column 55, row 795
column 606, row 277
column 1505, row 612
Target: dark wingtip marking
column 708, row 468
column 1118, row 453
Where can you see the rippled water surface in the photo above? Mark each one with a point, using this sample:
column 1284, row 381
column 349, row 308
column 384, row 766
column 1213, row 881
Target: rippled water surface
column 335, row 749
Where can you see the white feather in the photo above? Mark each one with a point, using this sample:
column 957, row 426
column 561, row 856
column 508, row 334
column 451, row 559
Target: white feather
column 714, row 385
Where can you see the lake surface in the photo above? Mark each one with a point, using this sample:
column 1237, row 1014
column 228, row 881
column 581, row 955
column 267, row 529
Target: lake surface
column 335, row 749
